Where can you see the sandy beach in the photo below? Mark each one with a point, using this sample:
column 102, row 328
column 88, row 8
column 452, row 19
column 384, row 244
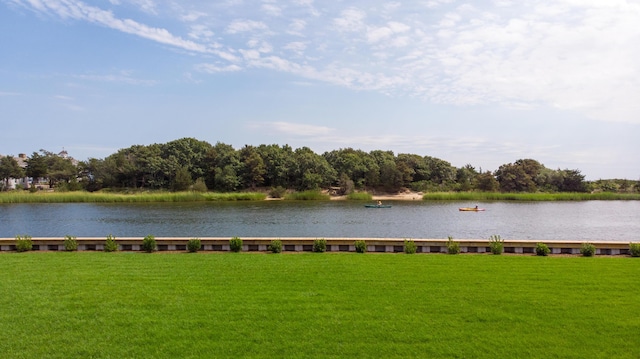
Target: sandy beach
column 400, row 196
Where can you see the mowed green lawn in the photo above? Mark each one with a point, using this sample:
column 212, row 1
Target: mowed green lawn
column 329, row 305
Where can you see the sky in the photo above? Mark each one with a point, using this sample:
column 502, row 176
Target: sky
column 483, row 83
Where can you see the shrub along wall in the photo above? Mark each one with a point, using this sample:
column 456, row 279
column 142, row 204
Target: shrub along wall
column 253, row 244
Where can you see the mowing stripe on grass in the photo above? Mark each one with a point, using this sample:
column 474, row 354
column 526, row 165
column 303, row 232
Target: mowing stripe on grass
column 117, row 305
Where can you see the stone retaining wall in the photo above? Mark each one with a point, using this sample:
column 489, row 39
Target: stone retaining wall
column 382, row 245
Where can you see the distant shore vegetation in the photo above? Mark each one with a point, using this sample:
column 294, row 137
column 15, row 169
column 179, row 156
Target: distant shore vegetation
column 497, row 196
column 163, row 196
column 190, row 169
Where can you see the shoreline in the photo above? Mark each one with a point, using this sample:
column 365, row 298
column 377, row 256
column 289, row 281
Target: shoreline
column 405, row 196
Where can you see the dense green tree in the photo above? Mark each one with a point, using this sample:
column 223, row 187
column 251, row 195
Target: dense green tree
column 144, row 167
column 346, row 184
column 60, row 170
column 486, row 182
column 442, row 174
column 177, row 164
column 253, row 169
column 466, row 178
column 96, row 174
column 390, row 178
column 572, row 181
column 186, row 152
column 312, row 170
column 182, row 180
column 37, row 167
column 279, row 165
column 223, row 166
column 413, row 167
column 355, row 164
column 9, row 168
column 513, row 178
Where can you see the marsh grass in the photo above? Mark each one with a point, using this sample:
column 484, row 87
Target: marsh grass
column 496, row 196
column 254, row 305
column 359, row 196
column 109, row 197
column 307, row 196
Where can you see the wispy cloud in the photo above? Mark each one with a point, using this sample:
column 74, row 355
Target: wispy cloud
column 237, row 26
column 4, row 93
column 78, row 10
column 119, row 77
column 288, row 128
column 350, row 20
column 213, row 68
column 571, row 55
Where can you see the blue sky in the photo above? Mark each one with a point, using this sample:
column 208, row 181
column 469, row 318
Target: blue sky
column 482, row 83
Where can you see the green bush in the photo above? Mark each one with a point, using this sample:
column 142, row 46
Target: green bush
column 542, row 249
column 634, row 249
column 194, row 245
column 410, row 246
column 110, row 245
column 277, row 192
column 199, row 185
column 361, row 246
column 275, row 246
column 235, row 244
column 496, row 244
column 453, row 247
column 23, row 243
column 320, row 245
column 587, row 250
column 149, row 244
column 70, row 244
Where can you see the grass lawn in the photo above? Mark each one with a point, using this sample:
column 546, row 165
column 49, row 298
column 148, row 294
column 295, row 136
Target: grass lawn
column 330, row 305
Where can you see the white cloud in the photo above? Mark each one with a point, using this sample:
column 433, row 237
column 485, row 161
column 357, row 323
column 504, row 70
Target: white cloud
column 78, row 10
column 193, row 16
column 296, row 47
column 200, row 32
column 574, row 55
column 385, row 32
column 119, row 77
column 271, row 9
column 214, row 68
column 250, row 55
column 350, row 19
column 147, row 6
column 296, row 27
column 237, row 26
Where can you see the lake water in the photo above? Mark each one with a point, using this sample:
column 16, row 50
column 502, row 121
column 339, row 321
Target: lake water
column 588, row 220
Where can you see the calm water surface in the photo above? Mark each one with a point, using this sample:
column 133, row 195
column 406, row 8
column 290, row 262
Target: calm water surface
column 588, row 220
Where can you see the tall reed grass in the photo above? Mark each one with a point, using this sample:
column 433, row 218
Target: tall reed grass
column 496, row 196
column 307, row 196
column 359, row 196
column 102, row 197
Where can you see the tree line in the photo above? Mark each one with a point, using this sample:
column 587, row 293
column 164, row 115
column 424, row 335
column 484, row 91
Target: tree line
column 191, row 164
